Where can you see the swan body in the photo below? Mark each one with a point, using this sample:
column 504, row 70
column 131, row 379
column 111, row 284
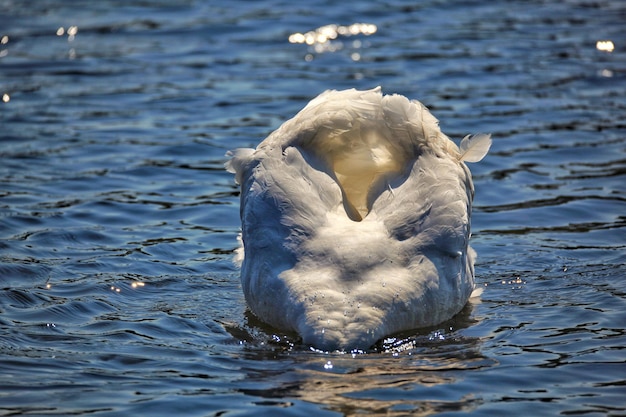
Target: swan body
column 356, row 220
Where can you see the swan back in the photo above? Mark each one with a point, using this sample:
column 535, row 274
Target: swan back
column 356, row 220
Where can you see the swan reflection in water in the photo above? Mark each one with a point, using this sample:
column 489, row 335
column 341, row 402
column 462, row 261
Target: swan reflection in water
column 356, row 220
column 427, row 365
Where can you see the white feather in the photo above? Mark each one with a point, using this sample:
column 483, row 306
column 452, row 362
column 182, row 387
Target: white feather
column 474, row 148
column 237, row 162
column 356, row 220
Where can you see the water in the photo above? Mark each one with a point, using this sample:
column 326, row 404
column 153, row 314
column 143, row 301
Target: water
column 118, row 223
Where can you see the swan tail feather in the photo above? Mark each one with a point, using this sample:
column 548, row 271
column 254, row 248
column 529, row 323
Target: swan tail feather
column 239, row 158
column 474, row 148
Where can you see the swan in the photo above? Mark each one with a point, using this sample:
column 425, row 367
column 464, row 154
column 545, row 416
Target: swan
column 356, row 219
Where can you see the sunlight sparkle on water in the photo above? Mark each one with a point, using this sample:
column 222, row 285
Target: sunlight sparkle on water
column 327, row 33
column 605, row 46
column 71, row 32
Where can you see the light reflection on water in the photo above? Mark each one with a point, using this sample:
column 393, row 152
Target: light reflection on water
column 118, row 223
column 325, row 38
column 605, row 45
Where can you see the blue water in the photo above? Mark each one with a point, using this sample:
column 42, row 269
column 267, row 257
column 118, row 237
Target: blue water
column 118, row 224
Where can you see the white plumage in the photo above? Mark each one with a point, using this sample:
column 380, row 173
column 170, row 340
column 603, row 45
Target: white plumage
column 356, row 220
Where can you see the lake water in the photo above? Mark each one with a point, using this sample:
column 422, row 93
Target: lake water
column 118, row 224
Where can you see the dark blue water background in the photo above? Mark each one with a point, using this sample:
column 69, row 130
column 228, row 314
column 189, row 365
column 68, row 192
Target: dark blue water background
column 118, row 223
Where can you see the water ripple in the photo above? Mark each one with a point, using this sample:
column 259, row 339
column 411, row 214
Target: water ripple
column 118, row 223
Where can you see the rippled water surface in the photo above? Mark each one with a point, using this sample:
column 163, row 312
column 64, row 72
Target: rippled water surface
column 118, row 223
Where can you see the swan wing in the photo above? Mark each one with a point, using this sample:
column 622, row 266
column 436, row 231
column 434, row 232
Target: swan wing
column 283, row 202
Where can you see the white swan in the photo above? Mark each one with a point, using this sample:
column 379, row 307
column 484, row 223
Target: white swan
column 356, row 220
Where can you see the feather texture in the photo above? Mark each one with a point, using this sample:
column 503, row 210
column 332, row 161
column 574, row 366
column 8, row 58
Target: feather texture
column 474, row 148
column 356, row 220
